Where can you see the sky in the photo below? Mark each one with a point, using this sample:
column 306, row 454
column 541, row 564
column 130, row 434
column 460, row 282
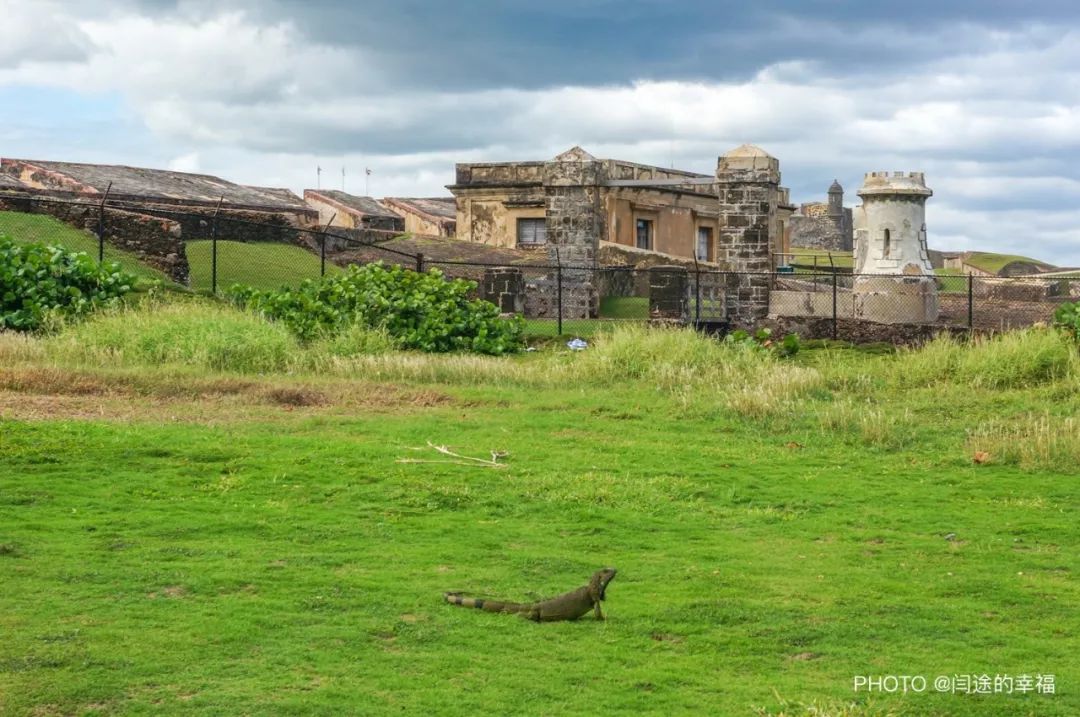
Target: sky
column 981, row 95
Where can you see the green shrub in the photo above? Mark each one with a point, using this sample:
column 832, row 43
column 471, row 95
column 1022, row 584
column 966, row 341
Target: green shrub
column 1067, row 319
column 40, row 282
column 422, row 311
column 762, row 339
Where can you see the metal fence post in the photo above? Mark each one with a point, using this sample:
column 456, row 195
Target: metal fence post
column 322, row 246
column 558, row 293
column 213, row 261
column 834, row 320
column 101, row 225
column 697, row 292
column 971, row 301
column 213, row 247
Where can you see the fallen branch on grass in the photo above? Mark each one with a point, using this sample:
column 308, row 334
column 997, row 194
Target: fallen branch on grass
column 461, row 460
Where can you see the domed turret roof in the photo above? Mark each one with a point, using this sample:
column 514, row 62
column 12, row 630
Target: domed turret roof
column 836, row 188
column 748, row 150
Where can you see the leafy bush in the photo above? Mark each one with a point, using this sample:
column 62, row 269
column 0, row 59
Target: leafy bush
column 38, row 282
column 422, row 311
column 762, row 339
column 1067, row 318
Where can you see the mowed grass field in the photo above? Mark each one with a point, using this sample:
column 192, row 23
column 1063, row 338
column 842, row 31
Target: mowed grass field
column 189, row 530
column 263, row 265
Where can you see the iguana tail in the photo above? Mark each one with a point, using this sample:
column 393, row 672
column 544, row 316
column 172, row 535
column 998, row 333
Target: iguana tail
column 487, row 605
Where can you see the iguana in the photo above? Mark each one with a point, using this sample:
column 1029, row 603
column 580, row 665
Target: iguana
column 568, row 606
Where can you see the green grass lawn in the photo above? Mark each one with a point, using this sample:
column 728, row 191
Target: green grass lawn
column 624, row 307
column 954, row 281
column 176, row 541
column 263, row 265
column 30, row 228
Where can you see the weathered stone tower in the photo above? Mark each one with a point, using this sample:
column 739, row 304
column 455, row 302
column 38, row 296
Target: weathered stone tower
column 894, row 280
column 749, row 179
column 576, row 221
column 836, row 201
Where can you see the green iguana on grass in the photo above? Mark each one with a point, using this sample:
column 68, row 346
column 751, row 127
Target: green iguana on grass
column 568, row 606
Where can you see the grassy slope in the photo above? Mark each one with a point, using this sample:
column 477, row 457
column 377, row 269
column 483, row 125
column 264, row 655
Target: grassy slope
column 36, row 227
column 262, row 265
column 291, row 564
column 988, row 261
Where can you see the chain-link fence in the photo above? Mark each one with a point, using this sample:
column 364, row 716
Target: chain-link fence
column 214, row 248
column 207, row 250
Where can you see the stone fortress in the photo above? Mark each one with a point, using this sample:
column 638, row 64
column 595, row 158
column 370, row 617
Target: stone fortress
column 823, row 225
column 583, row 213
column 576, row 206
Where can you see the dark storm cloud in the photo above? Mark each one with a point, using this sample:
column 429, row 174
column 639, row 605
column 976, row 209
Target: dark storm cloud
column 529, row 44
column 984, row 96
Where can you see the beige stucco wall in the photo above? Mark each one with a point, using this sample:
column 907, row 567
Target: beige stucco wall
column 486, row 218
column 415, row 224
column 676, row 218
column 344, row 218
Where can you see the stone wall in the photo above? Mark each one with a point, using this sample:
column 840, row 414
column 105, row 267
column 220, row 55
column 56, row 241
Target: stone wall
column 860, row 332
column 232, row 225
column 668, row 293
column 617, row 254
column 821, row 232
column 579, row 300
column 156, row 241
column 1020, row 290
column 504, row 287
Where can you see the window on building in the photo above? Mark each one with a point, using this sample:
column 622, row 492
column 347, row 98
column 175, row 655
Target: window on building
column 644, row 234
column 704, row 243
column 531, row 232
column 888, row 244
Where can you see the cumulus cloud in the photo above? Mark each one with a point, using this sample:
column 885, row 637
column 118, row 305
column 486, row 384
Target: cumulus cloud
column 991, row 114
column 38, row 32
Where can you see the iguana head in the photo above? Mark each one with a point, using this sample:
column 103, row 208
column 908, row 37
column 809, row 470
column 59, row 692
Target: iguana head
column 599, row 581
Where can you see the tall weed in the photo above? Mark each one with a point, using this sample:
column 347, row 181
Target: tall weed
column 1033, row 441
column 1015, row 359
column 194, row 333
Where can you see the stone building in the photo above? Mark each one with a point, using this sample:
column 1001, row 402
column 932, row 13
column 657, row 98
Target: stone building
column 567, row 207
column 434, row 216
column 823, row 225
column 348, row 211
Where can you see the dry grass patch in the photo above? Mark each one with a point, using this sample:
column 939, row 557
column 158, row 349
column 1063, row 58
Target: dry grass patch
column 52, row 381
column 296, row 396
column 51, row 393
